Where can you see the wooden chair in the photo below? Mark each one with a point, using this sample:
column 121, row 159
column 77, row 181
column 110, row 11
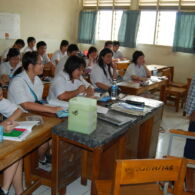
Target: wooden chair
column 50, row 55
column 190, row 174
column 122, row 67
column 174, row 91
column 144, row 174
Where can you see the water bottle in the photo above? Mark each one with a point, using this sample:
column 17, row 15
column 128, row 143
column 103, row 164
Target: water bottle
column 114, row 90
column 1, row 133
column 155, row 72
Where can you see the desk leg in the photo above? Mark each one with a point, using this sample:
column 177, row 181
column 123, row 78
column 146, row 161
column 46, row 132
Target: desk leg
column 95, row 168
column 162, row 93
column 27, row 170
column 121, row 147
column 84, row 167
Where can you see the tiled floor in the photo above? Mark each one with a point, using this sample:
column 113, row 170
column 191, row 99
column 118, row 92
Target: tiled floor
column 171, row 120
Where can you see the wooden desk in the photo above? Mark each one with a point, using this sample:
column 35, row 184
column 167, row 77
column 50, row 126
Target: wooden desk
column 122, row 66
column 93, row 156
column 133, row 88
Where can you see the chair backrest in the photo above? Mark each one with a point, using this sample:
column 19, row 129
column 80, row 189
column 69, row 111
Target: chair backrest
column 168, row 73
column 149, row 171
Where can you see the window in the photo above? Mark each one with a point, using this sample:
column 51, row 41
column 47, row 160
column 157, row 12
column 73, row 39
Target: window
column 160, row 29
column 108, row 23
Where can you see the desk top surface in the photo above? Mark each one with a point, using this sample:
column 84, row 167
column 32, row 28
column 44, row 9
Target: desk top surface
column 106, row 132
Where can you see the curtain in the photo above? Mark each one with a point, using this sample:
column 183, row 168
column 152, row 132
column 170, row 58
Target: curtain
column 87, row 24
column 128, row 28
column 184, row 32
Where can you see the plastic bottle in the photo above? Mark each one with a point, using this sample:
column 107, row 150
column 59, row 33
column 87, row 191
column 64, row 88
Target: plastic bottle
column 114, row 90
column 155, row 72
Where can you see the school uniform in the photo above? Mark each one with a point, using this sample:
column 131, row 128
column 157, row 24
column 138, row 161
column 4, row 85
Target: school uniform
column 7, row 69
column 45, row 59
column 4, row 54
column 60, row 65
column 7, row 108
column 134, row 70
column 21, row 89
column 97, row 76
column 62, row 83
column 28, row 49
column 117, row 54
column 58, row 55
column 88, row 67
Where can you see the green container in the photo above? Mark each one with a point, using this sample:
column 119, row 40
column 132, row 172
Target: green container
column 82, row 115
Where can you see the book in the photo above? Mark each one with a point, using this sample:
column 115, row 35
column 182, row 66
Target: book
column 20, row 132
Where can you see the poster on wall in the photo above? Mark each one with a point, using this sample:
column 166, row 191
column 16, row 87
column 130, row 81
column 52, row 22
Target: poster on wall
column 9, row 26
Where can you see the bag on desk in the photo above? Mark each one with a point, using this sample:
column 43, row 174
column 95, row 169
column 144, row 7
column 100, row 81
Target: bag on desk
column 82, row 115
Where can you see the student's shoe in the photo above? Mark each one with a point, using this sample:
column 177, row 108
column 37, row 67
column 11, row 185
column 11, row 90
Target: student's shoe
column 2, row 192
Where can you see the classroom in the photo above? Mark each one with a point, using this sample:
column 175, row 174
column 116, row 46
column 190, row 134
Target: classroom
column 97, row 97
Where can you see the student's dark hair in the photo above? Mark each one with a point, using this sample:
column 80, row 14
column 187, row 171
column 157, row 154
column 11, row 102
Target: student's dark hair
column 72, row 63
column 13, row 52
column 72, row 47
column 40, row 44
column 91, row 50
column 136, row 55
column 107, row 43
column 116, row 43
column 19, row 42
column 30, row 39
column 29, row 58
column 101, row 62
column 64, row 43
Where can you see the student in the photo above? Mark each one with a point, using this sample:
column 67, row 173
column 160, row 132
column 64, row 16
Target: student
column 70, row 83
column 137, row 71
column 91, row 59
column 108, row 44
column 59, row 54
column 26, row 90
column 116, row 53
column 19, row 44
column 71, row 51
column 104, row 71
column 12, row 174
column 8, row 68
column 31, row 44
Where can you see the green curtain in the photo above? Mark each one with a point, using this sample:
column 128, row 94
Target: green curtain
column 87, row 24
column 128, row 28
column 184, row 32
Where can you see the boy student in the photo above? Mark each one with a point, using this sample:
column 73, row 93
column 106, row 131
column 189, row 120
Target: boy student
column 71, row 51
column 116, row 53
column 59, row 54
column 19, row 44
column 31, row 44
column 13, row 173
column 108, row 44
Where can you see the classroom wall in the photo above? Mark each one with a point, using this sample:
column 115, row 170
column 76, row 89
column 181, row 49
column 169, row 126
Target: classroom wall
column 184, row 64
column 48, row 20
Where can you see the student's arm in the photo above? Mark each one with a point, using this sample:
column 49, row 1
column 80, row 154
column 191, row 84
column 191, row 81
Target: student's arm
column 137, row 78
column 32, row 106
column 15, row 115
column 57, row 61
column 114, row 67
column 67, row 95
column 102, row 86
column 4, row 79
column 89, row 91
column 148, row 73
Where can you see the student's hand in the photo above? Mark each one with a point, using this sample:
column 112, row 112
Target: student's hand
column 55, row 109
column 81, row 89
column 9, row 125
column 4, row 79
column 89, row 92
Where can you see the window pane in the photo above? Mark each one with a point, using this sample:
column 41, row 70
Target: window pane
column 104, row 24
column 166, row 28
column 116, row 24
column 146, row 27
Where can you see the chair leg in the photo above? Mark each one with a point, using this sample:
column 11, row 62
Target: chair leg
column 177, row 104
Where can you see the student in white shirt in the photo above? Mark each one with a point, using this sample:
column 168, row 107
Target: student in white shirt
column 59, row 54
column 8, row 68
column 91, row 59
column 12, row 174
column 19, row 44
column 41, row 49
column 71, row 51
column 31, row 41
column 116, row 53
column 137, row 71
column 70, row 83
column 104, row 72
column 26, row 90
column 108, row 44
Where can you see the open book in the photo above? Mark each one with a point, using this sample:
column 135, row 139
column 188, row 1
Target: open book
column 20, row 132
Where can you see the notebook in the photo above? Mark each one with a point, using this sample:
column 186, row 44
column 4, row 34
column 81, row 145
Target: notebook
column 20, row 132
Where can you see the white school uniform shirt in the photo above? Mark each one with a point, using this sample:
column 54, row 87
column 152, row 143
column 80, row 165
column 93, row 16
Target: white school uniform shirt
column 45, row 59
column 7, row 108
column 62, row 83
column 58, row 55
column 117, row 54
column 4, row 54
column 97, row 76
column 134, row 70
column 28, row 49
column 19, row 89
column 7, row 69
column 60, row 65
